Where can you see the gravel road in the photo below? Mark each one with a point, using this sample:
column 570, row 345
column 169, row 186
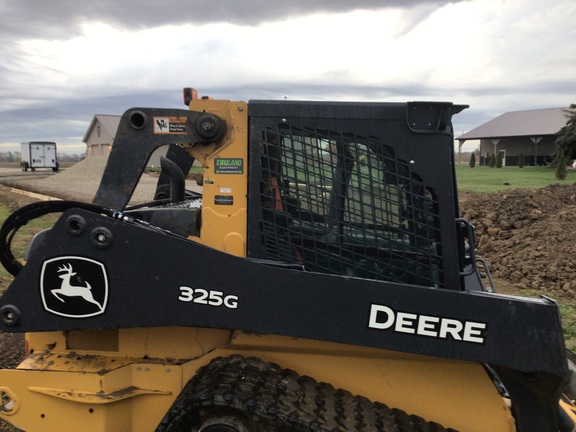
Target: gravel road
column 78, row 182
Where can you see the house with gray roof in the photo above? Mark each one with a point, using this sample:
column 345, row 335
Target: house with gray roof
column 99, row 138
column 529, row 132
column 100, row 134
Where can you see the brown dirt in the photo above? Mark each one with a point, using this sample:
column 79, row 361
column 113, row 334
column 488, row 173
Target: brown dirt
column 12, row 345
column 528, row 237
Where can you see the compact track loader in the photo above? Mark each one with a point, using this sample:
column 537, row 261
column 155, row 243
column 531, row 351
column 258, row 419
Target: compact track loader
column 322, row 281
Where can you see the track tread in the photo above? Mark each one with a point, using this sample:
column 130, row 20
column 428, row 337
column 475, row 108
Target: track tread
column 283, row 401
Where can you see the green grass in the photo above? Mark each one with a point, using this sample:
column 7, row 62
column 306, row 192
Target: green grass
column 5, row 277
column 4, row 213
column 491, row 180
column 21, row 240
column 568, row 313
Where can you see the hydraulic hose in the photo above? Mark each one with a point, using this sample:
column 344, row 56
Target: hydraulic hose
column 27, row 213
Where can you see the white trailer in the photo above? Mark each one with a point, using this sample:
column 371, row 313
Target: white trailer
column 38, row 154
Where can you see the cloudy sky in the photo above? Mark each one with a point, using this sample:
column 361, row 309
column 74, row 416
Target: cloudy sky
column 62, row 61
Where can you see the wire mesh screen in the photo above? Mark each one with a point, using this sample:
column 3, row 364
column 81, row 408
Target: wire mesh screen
column 343, row 204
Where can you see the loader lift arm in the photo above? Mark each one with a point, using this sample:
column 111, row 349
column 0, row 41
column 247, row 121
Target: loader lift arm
column 139, row 134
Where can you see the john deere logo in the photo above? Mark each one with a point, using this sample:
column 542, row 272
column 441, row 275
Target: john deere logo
column 74, row 287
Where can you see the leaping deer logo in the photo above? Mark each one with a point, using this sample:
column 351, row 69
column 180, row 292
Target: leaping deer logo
column 68, row 290
column 74, row 286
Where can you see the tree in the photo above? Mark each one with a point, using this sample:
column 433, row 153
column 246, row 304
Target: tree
column 561, row 167
column 473, row 160
column 566, row 138
column 492, row 161
column 521, row 160
column 500, row 160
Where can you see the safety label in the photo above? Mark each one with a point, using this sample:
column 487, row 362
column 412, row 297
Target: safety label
column 229, row 166
column 169, row 125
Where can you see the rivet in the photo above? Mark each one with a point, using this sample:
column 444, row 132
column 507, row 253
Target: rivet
column 10, row 315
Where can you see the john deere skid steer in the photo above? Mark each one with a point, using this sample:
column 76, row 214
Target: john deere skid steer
column 322, row 281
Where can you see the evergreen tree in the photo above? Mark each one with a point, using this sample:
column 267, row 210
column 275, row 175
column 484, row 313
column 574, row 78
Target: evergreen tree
column 492, row 161
column 473, row 160
column 521, row 161
column 566, row 138
column 561, row 167
column 500, row 160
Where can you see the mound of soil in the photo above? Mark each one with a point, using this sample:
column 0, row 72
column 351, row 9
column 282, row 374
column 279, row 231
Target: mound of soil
column 528, row 237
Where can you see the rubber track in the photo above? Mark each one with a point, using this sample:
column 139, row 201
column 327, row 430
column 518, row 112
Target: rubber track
column 283, row 401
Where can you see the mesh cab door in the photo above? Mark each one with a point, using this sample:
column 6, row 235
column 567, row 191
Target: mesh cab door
column 361, row 190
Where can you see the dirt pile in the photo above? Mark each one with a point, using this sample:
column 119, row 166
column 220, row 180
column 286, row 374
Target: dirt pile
column 528, row 237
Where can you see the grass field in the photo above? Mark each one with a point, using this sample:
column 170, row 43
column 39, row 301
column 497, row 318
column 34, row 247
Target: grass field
column 491, row 180
column 21, row 240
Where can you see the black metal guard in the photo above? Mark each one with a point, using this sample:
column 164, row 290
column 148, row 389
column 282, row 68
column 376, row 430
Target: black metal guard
column 347, row 189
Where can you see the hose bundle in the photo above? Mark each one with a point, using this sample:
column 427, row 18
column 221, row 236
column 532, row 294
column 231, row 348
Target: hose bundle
column 27, row 213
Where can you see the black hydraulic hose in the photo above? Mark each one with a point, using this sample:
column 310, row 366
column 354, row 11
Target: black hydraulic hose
column 176, row 177
column 27, row 213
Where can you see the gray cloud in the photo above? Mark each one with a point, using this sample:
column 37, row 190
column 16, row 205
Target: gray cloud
column 44, row 99
column 56, row 19
column 64, row 118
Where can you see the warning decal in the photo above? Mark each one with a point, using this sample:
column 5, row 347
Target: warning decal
column 169, row 125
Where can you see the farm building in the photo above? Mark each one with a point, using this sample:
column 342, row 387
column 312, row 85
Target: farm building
column 100, row 135
column 531, row 133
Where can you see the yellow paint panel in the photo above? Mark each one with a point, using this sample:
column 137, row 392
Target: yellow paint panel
column 225, row 179
column 80, row 401
column 107, row 392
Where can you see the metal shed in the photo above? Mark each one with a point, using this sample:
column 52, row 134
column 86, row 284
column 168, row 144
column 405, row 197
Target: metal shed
column 530, row 132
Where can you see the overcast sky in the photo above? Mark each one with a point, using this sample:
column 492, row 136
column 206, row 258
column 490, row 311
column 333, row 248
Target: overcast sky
column 62, row 61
